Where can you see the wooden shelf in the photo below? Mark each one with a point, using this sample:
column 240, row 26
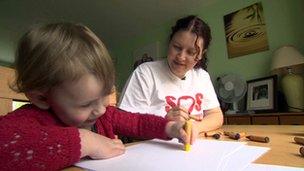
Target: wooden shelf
column 7, row 76
column 265, row 119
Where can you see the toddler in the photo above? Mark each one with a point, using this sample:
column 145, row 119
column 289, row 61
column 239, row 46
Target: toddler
column 67, row 74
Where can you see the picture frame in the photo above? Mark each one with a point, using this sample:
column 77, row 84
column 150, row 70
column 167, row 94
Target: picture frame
column 245, row 31
column 152, row 50
column 261, row 94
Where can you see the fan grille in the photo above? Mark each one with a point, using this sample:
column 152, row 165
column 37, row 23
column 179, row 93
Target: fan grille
column 231, row 88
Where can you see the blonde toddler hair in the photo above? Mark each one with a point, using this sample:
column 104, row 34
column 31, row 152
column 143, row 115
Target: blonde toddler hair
column 50, row 54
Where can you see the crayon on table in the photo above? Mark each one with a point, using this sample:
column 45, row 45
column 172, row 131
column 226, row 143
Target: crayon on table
column 232, row 135
column 258, row 138
column 302, row 151
column 242, row 134
column 227, row 133
column 214, row 135
column 299, row 140
column 210, row 133
column 188, row 129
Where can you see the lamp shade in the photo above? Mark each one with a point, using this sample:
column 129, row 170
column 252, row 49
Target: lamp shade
column 286, row 57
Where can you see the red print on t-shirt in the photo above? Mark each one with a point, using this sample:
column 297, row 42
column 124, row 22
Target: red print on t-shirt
column 172, row 101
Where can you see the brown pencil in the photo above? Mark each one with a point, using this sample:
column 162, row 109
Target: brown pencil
column 210, row 133
column 302, row 151
column 258, row 138
column 299, row 140
column 214, row 135
column 232, row 135
column 242, row 134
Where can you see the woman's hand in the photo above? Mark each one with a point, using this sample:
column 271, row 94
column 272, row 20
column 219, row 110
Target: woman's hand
column 99, row 147
column 177, row 113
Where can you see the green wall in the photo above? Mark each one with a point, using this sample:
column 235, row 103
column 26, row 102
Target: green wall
column 7, row 47
column 122, row 54
column 284, row 23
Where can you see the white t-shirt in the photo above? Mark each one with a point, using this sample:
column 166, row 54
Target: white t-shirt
column 153, row 88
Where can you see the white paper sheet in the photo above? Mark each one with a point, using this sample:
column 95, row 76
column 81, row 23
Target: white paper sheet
column 266, row 167
column 242, row 158
column 167, row 155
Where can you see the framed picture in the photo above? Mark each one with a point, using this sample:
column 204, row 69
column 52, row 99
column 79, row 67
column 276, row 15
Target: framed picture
column 152, row 50
column 245, row 31
column 261, row 94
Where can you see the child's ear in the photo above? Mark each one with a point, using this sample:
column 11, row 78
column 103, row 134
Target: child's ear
column 38, row 98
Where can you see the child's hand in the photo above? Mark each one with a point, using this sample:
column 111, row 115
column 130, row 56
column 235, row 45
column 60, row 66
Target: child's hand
column 106, row 147
column 176, row 130
column 194, row 133
column 99, row 147
column 177, row 113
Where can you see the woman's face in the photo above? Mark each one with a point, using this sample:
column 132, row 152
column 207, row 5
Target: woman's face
column 184, row 52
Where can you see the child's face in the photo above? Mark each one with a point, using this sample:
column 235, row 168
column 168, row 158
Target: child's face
column 78, row 103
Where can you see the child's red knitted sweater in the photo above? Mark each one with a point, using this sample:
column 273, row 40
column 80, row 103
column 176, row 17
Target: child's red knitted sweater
column 35, row 139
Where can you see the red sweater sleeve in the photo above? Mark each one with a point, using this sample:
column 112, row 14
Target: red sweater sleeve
column 29, row 142
column 136, row 125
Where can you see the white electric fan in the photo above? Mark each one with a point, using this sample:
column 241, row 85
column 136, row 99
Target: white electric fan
column 231, row 88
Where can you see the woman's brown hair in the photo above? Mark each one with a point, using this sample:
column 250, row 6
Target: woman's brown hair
column 197, row 26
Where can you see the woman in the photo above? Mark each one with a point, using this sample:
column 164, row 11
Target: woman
column 179, row 85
